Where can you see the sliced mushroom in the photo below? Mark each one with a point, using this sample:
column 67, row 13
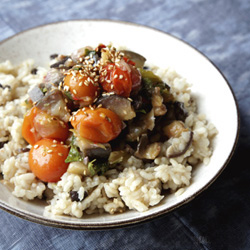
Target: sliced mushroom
column 145, row 151
column 61, row 63
column 138, row 59
column 180, row 145
column 174, row 129
column 176, row 111
column 146, row 122
column 118, row 104
column 92, row 150
column 54, row 103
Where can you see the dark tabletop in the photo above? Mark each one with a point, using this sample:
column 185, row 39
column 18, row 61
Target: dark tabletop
column 220, row 217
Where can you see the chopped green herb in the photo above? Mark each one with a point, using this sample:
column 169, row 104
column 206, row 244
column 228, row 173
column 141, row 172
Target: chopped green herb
column 99, row 168
column 74, row 154
column 68, row 95
column 88, row 52
column 150, row 81
column 143, row 111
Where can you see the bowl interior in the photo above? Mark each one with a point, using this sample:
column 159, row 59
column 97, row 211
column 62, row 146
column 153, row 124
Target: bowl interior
column 209, row 87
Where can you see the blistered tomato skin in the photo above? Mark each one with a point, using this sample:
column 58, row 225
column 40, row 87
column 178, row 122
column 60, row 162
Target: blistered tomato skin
column 82, row 87
column 116, row 79
column 47, row 160
column 98, row 125
column 28, row 131
column 38, row 124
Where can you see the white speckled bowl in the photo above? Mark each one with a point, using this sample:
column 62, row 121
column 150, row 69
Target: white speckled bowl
column 215, row 98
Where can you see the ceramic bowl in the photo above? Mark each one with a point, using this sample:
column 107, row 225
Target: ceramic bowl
column 214, row 96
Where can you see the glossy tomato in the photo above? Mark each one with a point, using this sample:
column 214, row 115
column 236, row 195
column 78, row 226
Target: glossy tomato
column 116, row 78
column 82, row 87
column 38, row 124
column 47, row 160
column 98, row 125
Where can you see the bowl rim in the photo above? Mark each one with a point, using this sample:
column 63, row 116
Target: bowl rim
column 135, row 221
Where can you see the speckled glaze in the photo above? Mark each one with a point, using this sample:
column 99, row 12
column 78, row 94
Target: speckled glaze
column 187, row 61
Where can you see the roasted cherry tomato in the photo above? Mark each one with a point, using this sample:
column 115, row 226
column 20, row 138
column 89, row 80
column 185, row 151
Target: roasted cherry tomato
column 114, row 78
column 47, row 160
column 81, row 86
column 38, row 124
column 98, row 125
column 28, row 131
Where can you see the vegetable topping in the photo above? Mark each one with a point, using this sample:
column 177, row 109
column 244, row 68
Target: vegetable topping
column 98, row 107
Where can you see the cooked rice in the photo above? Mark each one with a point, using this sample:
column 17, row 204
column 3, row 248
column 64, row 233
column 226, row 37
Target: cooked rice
column 135, row 186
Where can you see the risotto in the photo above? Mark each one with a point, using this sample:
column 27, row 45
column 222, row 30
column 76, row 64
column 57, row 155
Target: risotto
column 100, row 131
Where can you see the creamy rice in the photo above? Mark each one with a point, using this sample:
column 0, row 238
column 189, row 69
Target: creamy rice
column 135, row 185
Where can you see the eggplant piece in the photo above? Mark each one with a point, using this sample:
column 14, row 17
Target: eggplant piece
column 138, row 59
column 54, row 104
column 80, row 53
column 118, row 104
column 54, row 76
column 36, row 94
column 101, row 153
column 136, row 129
column 174, row 150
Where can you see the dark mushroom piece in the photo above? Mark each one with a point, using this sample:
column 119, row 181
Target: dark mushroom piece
column 4, row 86
column 2, row 143
column 61, row 64
column 139, row 127
column 138, row 59
column 174, row 151
column 118, row 104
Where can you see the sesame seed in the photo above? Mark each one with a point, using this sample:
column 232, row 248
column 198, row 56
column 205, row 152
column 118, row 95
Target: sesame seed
column 129, row 99
column 50, row 151
column 102, row 115
column 60, row 154
column 54, row 141
column 115, row 76
column 61, row 142
column 54, row 145
column 74, row 91
column 120, row 76
column 36, row 146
